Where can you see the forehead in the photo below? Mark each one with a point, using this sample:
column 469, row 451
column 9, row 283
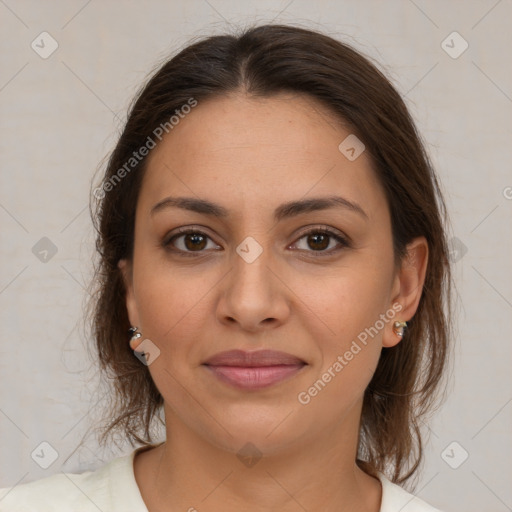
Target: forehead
column 263, row 151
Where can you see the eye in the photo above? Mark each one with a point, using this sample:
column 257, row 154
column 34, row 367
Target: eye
column 188, row 241
column 320, row 239
column 317, row 240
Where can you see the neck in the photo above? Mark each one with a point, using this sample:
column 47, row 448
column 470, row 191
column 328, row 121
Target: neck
column 190, row 472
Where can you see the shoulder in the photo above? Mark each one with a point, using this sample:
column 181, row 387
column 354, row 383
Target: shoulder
column 110, row 488
column 395, row 499
column 56, row 492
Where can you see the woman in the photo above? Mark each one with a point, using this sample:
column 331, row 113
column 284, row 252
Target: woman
column 271, row 236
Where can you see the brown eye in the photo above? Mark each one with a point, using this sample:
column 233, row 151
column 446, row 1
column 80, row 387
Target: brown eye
column 194, row 241
column 187, row 241
column 319, row 240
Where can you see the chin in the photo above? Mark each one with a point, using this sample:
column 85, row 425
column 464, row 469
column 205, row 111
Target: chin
column 269, row 429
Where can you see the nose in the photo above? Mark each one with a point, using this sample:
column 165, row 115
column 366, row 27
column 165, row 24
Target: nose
column 254, row 296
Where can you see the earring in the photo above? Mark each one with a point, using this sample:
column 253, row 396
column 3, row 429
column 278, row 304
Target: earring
column 135, row 336
column 399, row 327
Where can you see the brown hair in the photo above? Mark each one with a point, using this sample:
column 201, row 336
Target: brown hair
column 263, row 61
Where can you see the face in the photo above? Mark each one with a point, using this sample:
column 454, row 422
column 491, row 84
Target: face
column 254, row 273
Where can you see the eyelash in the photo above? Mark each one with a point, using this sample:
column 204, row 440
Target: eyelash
column 344, row 242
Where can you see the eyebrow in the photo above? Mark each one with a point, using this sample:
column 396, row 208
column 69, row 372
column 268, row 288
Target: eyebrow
column 286, row 210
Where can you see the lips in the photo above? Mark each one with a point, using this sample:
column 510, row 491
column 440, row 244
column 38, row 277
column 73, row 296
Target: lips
column 254, row 370
column 253, row 359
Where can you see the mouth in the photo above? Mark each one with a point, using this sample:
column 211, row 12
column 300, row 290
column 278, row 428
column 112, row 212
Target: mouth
column 254, row 370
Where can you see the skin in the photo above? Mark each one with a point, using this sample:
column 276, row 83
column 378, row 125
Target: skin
column 250, row 156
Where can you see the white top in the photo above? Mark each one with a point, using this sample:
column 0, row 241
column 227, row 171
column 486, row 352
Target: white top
column 113, row 488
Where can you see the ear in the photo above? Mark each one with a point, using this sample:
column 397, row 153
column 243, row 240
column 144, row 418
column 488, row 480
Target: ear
column 131, row 305
column 407, row 287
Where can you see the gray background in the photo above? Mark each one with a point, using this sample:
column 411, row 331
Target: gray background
column 61, row 115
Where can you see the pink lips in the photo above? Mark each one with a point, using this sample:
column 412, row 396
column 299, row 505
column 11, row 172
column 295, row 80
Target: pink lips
column 253, row 370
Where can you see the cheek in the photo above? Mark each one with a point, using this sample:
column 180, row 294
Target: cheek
column 174, row 306
column 346, row 360
column 348, row 300
column 355, row 310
